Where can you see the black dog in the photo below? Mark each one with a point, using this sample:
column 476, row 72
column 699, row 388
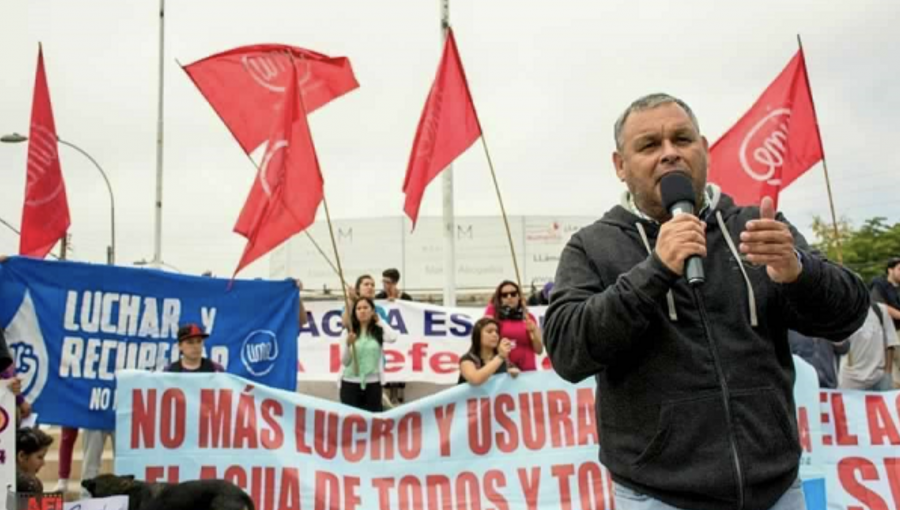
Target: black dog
column 193, row 495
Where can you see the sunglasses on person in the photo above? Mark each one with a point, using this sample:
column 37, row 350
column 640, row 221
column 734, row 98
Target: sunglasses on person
column 512, row 294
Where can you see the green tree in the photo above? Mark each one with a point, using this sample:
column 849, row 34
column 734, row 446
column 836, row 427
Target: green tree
column 865, row 249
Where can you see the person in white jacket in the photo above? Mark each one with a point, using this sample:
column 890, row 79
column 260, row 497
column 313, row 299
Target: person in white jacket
column 363, row 357
column 873, row 349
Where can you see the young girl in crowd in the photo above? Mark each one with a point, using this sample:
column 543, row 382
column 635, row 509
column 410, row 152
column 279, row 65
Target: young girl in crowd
column 507, row 306
column 31, row 448
column 363, row 357
column 364, row 288
column 488, row 355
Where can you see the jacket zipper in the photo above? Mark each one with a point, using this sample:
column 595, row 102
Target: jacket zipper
column 726, row 397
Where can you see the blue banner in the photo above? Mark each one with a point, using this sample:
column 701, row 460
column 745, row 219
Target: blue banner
column 73, row 326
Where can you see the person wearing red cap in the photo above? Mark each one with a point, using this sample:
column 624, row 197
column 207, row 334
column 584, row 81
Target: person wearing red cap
column 190, row 343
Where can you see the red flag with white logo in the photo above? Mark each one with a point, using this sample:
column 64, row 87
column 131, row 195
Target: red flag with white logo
column 448, row 126
column 45, row 215
column 288, row 187
column 246, row 85
column 772, row 144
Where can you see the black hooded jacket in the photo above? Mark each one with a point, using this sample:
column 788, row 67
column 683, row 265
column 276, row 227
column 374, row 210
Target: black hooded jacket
column 694, row 396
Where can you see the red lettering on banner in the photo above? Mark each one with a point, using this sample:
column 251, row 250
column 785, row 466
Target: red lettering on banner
column 351, row 492
column 560, row 418
column 590, row 487
column 494, row 481
column 354, row 451
column 272, row 437
column 154, row 473
column 586, row 421
column 263, row 497
column 328, row 493
column 245, row 423
column 300, row 430
column 326, row 437
column 842, row 434
column 892, row 465
column 383, row 486
column 262, row 484
column 289, row 495
column 440, row 495
column 409, row 493
column 532, row 414
column 393, row 361
column 172, row 412
column 847, row 470
column 531, row 486
column 803, row 428
column 444, row 362
column 409, row 436
column 468, row 493
column 443, row 415
column 881, row 425
column 215, row 418
column 546, row 364
column 508, row 442
column 382, row 439
column 563, row 473
column 237, row 476
column 334, row 365
column 143, row 419
column 417, row 353
column 479, row 425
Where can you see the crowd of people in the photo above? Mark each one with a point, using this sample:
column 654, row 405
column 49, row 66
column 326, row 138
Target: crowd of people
column 868, row 359
column 696, row 379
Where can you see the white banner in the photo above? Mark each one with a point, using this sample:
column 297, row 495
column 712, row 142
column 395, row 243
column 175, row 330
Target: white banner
column 7, row 439
column 432, row 338
column 112, row 503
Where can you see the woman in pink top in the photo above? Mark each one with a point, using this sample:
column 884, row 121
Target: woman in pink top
column 508, row 308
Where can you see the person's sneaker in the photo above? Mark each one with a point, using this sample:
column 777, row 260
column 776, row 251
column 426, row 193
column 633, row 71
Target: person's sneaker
column 62, row 485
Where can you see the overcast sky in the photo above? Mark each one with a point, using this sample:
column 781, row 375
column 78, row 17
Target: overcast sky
column 548, row 79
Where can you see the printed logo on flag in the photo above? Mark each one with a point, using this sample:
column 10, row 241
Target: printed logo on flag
column 42, row 149
column 30, row 354
column 259, row 352
column 762, row 150
column 268, row 69
column 264, row 167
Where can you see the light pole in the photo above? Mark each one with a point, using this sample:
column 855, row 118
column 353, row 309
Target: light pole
column 111, row 251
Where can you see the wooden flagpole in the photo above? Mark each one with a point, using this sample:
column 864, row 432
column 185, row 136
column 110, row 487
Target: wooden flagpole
column 490, row 162
column 337, row 256
column 837, row 234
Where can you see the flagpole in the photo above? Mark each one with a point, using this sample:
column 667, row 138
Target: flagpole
column 447, row 188
column 337, row 257
column 837, row 234
column 157, row 231
column 512, row 248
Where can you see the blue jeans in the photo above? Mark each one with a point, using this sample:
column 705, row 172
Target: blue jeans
column 627, row 499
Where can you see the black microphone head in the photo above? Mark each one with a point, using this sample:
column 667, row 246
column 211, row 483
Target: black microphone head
column 676, row 187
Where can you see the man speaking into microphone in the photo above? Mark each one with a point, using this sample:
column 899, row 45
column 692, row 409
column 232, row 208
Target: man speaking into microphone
column 678, row 302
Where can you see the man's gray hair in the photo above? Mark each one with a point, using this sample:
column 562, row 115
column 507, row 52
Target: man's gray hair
column 649, row 102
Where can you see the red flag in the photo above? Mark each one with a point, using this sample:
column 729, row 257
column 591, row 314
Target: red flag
column 45, row 215
column 773, row 144
column 246, row 85
column 448, row 126
column 289, row 185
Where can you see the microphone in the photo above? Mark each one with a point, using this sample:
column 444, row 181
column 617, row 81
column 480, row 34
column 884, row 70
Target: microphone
column 678, row 198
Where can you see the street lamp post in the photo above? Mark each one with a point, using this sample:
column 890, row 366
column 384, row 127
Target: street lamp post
column 111, row 251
